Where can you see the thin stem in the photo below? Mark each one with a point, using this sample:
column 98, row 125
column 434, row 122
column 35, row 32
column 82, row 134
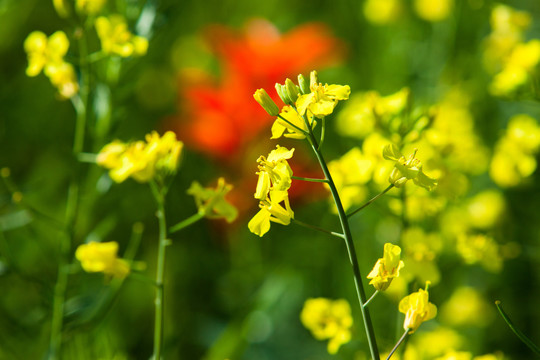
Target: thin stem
column 371, row 298
column 401, row 339
column 531, row 345
column 186, row 222
column 370, row 333
column 309, row 179
column 72, row 208
column 323, row 127
column 160, row 270
column 371, row 200
column 294, row 126
column 309, row 226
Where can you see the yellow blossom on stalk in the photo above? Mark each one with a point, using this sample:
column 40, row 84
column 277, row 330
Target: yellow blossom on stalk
column 116, row 39
column 433, row 10
column 382, row 12
column 322, row 99
column 271, row 210
column 211, row 201
column 406, row 169
column 386, row 268
column 63, row 77
column 143, row 161
column 102, row 257
column 328, row 319
column 44, row 52
column 90, row 7
column 290, row 124
column 417, row 309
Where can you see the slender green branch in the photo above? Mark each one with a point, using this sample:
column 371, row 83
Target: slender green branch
column 371, row 298
column 323, row 128
column 531, row 345
column 309, row 179
column 371, row 200
column 400, row 341
column 309, row 226
column 186, row 222
column 160, row 270
column 370, row 333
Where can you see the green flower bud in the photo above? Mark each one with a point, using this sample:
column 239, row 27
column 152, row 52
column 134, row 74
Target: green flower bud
column 262, row 97
column 282, row 92
column 303, row 85
column 292, row 90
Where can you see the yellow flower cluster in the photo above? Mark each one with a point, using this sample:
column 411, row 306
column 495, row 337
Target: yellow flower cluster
column 433, row 10
column 386, row 268
column 211, row 202
column 513, row 60
column 272, row 186
column 90, row 7
column 142, row 160
column 328, row 320
column 406, row 169
column 116, row 39
column 382, row 12
column 420, row 250
column 514, row 159
column 417, row 309
column 102, row 257
column 47, row 54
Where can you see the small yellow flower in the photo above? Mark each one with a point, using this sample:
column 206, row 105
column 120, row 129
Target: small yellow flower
column 328, row 319
column 271, row 210
column 116, row 39
column 90, row 7
column 433, row 10
column 274, row 172
column 44, row 52
column 407, row 169
column 290, row 124
column 211, row 202
column 63, row 77
column 386, row 268
column 102, row 257
column 382, row 12
column 143, row 161
column 417, row 309
column 323, row 98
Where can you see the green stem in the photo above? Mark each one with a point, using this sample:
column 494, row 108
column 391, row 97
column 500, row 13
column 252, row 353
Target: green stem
column 160, row 270
column 186, row 222
column 516, row 331
column 371, row 298
column 400, row 341
column 323, row 127
column 309, row 179
column 72, row 207
column 370, row 333
column 371, row 200
column 294, row 126
column 309, row 226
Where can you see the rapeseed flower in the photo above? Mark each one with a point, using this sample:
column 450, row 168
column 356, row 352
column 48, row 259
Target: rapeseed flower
column 386, row 268
column 406, row 169
column 322, row 99
column 63, row 77
column 44, row 52
column 102, row 257
column 328, row 319
column 271, row 210
column 211, row 202
column 417, row 309
column 116, row 39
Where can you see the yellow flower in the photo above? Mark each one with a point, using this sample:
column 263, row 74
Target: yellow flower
column 158, row 156
column 102, row 257
column 481, row 249
column 386, row 268
column 271, row 210
column 290, row 124
column 323, row 98
column 63, row 77
column 274, row 172
column 116, row 39
column 90, row 7
column 406, row 169
column 44, row 52
column 211, row 202
column 382, row 12
column 417, row 309
column 328, row 319
column 433, row 10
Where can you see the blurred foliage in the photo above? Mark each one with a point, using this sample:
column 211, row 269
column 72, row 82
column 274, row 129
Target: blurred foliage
column 229, row 293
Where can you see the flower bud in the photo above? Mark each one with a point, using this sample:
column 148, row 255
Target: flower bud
column 282, row 92
column 262, row 97
column 304, row 86
column 292, row 90
column 313, row 79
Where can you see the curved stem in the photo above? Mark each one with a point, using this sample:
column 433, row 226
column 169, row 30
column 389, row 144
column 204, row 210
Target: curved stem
column 370, row 333
column 531, row 345
column 371, row 298
column 371, row 200
column 309, row 226
column 186, row 222
column 160, row 270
